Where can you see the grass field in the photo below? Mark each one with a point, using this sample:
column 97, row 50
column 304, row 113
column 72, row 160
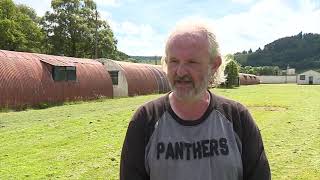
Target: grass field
column 83, row 140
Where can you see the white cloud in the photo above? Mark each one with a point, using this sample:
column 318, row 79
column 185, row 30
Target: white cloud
column 138, row 39
column 242, row 1
column 134, row 29
column 105, row 15
column 265, row 22
column 45, row 5
column 113, row 3
column 39, row 7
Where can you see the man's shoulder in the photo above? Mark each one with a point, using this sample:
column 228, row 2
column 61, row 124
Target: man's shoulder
column 234, row 112
column 155, row 104
column 152, row 110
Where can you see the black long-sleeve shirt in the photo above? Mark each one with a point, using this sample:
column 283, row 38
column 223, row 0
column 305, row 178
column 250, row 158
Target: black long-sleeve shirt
column 224, row 144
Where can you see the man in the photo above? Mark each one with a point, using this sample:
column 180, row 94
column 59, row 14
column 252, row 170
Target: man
column 190, row 133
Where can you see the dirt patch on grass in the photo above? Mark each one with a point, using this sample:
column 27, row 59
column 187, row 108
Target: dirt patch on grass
column 268, row 108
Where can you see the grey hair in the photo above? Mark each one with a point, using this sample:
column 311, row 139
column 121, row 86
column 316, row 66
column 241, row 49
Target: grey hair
column 217, row 77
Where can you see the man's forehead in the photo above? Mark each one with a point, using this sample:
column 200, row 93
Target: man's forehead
column 188, row 35
column 188, row 38
column 187, row 45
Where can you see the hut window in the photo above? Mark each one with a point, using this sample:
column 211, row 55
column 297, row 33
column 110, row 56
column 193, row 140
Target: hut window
column 64, row 73
column 114, row 77
column 71, row 73
column 302, row 77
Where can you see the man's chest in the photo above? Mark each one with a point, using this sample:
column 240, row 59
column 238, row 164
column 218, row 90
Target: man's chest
column 205, row 151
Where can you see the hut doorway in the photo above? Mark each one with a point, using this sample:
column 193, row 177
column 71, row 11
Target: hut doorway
column 310, row 79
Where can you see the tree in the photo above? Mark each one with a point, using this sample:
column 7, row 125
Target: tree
column 301, row 51
column 31, row 13
column 232, row 72
column 259, row 50
column 73, row 28
column 17, row 30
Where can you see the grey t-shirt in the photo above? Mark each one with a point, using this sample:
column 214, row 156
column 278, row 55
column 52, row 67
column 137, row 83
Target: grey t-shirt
column 224, row 144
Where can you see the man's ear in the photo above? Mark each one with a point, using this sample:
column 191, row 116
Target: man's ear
column 216, row 63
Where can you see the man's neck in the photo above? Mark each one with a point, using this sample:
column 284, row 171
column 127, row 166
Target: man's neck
column 190, row 109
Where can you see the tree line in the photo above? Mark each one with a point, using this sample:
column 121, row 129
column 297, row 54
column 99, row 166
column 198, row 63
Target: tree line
column 261, row 70
column 301, row 51
column 71, row 28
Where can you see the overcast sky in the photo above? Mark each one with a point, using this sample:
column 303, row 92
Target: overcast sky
column 141, row 27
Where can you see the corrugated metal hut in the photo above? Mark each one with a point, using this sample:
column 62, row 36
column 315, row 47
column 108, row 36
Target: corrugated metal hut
column 30, row 79
column 118, row 77
column 248, row 79
column 162, row 80
column 130, row 79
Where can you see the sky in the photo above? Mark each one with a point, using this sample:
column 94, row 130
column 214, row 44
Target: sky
column 141, row 27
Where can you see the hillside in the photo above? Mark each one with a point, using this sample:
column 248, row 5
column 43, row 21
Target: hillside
column 301, row 51
column 146, row 59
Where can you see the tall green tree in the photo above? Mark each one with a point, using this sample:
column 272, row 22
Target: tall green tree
column 18, row 31
column 73, row 28
column 232, row 72
column 24, row 9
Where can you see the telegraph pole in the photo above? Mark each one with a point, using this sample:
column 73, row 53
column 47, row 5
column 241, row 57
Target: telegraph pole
column 287, row 73
column 96, row 37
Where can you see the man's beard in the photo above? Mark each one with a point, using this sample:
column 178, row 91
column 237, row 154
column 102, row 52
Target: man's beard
column 195, row 92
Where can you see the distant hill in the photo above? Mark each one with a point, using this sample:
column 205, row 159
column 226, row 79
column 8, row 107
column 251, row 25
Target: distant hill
column 301, row 51
column 146, row 59
column 122, row 55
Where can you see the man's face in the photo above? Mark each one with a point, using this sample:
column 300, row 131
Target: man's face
column 188, row 67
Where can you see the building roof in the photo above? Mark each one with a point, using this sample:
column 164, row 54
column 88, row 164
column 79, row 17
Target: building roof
column 141, row 78
column 310, row 71
column 26, row 80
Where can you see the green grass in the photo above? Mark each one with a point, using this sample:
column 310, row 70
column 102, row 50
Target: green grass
column 83, row 140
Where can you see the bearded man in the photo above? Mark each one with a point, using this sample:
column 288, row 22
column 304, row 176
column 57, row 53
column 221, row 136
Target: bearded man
column 191, row 133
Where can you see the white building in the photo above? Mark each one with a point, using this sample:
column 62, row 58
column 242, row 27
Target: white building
column 309, row 77
column 291, row 71
column 277, row 79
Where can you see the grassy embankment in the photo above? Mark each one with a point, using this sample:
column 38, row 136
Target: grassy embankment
column 83, row 141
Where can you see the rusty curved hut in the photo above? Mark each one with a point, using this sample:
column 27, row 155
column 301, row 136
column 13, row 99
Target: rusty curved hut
column 30, row 79
column 130, row 79
column 248, row 79
column 161, row 77
column 118, row 77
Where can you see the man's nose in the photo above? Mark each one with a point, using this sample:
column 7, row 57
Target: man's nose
column 182, row 70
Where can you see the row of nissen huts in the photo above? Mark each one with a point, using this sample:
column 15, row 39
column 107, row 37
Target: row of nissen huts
column 248, row 79
column 28, row 79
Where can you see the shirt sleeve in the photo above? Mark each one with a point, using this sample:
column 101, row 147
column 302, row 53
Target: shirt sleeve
column 133, row 150
column 254, row 159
